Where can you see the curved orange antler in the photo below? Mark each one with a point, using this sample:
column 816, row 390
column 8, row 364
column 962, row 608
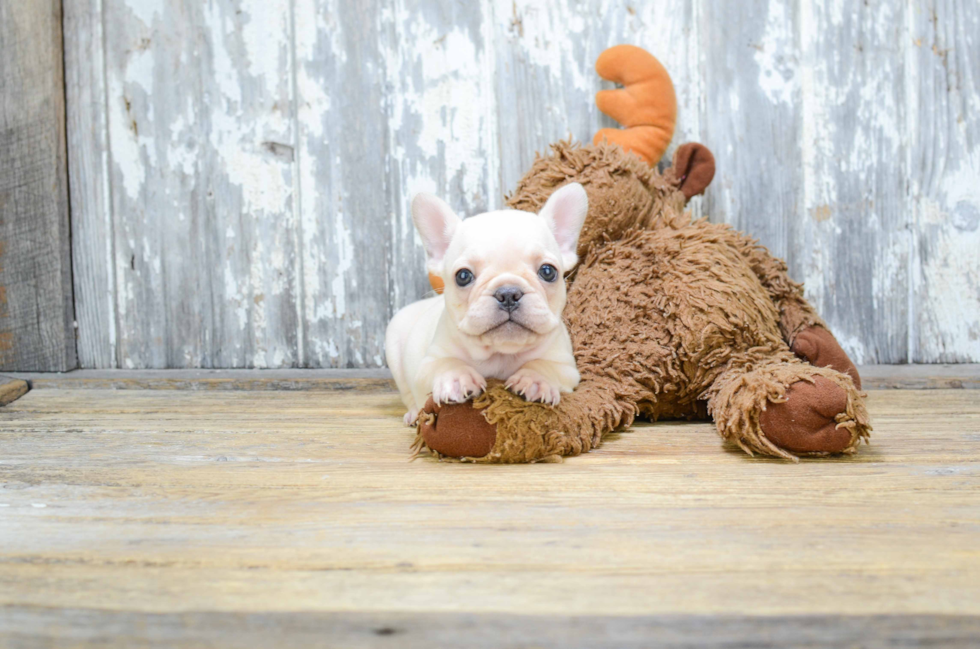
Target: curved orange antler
column 646, row 105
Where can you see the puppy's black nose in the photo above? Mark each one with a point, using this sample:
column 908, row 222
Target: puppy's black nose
column 508, row 297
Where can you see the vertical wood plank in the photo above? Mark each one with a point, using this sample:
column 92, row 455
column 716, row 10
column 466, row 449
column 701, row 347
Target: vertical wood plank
column 944, row 120
column 752, row 118
column 201, row 131
column 851, row 248
column 545, row 86
column 342, row 177
column 36, row 311
column 443, row 124
column 88, row 169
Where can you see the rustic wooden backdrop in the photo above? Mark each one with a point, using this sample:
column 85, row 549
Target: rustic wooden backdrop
column 36, row 310
column 241, row 170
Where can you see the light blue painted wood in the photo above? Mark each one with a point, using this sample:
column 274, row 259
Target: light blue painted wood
column 241, row 170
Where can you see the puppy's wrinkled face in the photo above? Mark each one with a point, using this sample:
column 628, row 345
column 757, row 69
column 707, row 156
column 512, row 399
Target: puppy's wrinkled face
column 504, row 279
column 504, row 271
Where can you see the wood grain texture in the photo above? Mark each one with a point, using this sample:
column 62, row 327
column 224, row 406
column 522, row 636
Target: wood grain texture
column 853, row 238
column 371, row 380
column 962, row 376
column 90, row 193
column 12, row 389
column 148, row 506
column 920, row 377
column 342, row 179
column 36, row 311
column 752, row 118
column 444, row 123
column 28, row 627
column 944, row 94
column 201, row 126
column 261, row 157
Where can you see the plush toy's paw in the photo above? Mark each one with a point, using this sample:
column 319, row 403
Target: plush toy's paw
column 810, row 419
column 534, row 387
column 457, row 385
column 456, row 430
column 818, row 347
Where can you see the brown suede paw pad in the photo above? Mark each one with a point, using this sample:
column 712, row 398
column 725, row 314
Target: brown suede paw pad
column 807, row 421
column 456, row 429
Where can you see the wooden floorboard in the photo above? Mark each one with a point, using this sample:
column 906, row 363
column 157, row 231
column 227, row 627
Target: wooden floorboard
column 84, row 628
column 875, row 377
column 161, row 517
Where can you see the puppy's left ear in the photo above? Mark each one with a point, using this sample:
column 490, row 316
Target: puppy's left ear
column 565, row 214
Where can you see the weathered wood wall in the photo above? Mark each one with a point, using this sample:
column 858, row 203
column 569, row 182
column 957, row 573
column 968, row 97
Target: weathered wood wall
column 36, row 309
column 242, row 169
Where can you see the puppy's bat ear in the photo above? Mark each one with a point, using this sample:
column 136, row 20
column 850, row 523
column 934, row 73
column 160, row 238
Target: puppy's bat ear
column 436, row 223
column 565, row 213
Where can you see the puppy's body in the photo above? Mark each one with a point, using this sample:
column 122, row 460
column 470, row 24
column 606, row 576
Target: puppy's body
column 421, row 333
column 500, row 314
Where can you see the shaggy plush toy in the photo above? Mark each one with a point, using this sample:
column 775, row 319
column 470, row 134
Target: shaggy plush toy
column 669, row 318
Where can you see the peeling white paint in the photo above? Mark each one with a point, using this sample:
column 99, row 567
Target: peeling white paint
column 547, row 32
column 146, row 11
column 441, row 123
column 248, row 165
column 345, row 261
column 775, row 56
column 948, row 280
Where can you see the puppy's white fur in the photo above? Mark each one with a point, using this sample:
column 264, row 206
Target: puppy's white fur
column 450, row 344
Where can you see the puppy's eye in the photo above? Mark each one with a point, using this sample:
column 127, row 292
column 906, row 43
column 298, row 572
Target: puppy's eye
column 548, row 273
column 464, row 277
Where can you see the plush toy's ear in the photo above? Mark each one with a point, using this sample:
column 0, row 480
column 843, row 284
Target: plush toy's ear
column 693, row 169
column 565, row 213
column 436, row 223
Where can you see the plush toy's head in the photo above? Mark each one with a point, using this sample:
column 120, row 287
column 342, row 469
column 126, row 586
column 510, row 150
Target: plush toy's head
column 624, row 192
column 624, row 189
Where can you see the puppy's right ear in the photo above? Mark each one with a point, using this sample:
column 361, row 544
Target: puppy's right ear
column 436, row 223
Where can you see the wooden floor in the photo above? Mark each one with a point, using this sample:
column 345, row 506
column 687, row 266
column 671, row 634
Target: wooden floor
column 274, row 518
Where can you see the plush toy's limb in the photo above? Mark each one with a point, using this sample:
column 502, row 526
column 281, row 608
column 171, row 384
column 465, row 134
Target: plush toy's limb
column 455, row 430
column 783, row 407
column 802, row 329
column 501, row 427
column 818, row 347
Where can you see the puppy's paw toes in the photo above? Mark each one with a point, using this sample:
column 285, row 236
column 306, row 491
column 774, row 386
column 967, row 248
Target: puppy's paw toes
column 457, row 386
column 534, row 387
column 411, row 417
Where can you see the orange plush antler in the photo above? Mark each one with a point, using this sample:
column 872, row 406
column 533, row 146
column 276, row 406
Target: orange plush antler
column 646, row 105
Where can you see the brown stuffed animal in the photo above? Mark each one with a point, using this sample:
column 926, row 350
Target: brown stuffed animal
column 669, row 318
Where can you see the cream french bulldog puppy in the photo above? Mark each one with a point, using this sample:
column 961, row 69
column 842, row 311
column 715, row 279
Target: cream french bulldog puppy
column 500, row 314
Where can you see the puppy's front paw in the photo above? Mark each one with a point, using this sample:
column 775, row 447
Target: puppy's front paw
column 457, row 385
column 534, row 387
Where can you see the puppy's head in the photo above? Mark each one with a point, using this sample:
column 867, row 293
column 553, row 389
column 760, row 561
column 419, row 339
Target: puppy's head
column 503, row 271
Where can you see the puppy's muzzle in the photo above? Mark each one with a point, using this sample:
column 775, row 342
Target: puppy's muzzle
column 508, row 298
